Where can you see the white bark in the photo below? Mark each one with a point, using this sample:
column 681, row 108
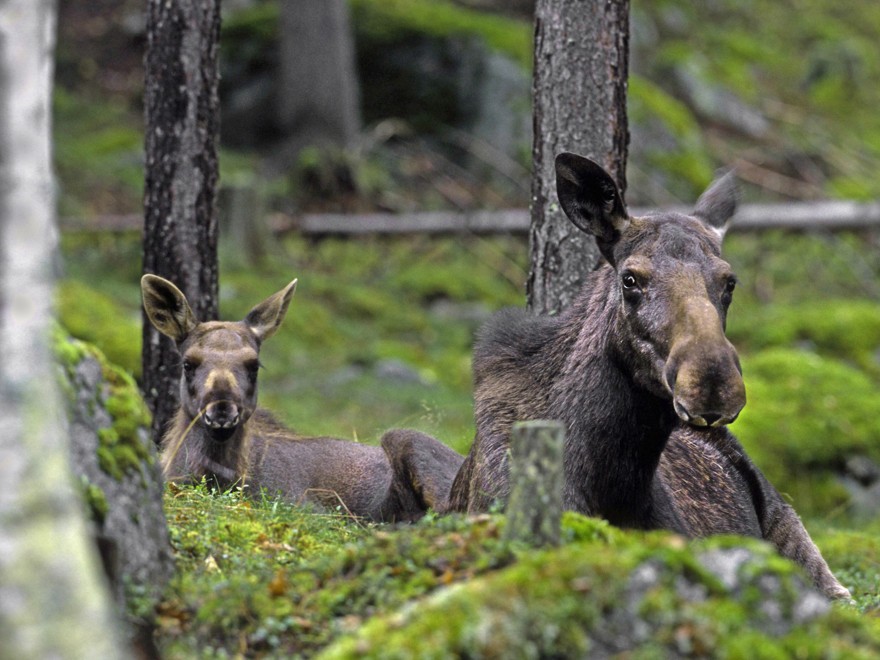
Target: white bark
column 53, row 602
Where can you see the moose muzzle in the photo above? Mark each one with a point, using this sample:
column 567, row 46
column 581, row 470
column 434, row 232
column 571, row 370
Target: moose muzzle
column 704, row 376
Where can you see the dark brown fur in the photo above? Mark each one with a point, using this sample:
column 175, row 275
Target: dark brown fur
column 639, row 371
column 219, row 434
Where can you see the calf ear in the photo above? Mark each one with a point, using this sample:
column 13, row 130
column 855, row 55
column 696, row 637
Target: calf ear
column 167, row 308
column 590, row 198
column 717, row 205
column 266, row 318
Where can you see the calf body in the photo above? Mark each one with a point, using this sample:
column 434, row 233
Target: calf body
column 641, row 374
column 219, row 434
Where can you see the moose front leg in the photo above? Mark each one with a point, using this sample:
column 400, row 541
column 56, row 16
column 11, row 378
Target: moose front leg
column 784, row 529
column 423, row 470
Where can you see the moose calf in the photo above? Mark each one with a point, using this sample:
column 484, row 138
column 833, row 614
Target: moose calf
column 641, row 374
column 219, row 433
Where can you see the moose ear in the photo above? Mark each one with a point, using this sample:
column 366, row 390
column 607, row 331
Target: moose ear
column 590, row 198
column 167, row 308
column 717, row 205
column 266, row 318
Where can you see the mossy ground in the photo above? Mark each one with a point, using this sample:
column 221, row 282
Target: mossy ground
column 261, row 579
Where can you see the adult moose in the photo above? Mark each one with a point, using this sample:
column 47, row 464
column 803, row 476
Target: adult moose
column 641, row 374
column 219, row 433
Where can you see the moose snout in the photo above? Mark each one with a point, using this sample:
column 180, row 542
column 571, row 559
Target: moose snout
column 707, row 386
column 222, row 414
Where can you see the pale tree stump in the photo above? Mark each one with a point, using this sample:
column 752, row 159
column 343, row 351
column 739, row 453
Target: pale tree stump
column 534, row 508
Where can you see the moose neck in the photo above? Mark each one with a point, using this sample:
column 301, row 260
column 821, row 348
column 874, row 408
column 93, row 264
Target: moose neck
column 616, row 430
column 204, row 455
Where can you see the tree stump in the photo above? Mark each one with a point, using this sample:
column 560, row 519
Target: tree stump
column 534, row 508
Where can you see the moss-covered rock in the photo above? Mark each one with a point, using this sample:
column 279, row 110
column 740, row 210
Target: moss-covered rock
column 806, row 416
column 844, row 329
column 640, row 595
column 96, row 318
column 115, row 463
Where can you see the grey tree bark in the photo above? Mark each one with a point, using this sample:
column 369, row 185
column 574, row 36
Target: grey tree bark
column 534, row 508
column 579, row 89
column 180, row 223
column 318, row 94
column 53, row 601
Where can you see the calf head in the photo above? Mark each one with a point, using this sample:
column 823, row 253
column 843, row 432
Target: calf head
column 671, row 290
column 220, row 360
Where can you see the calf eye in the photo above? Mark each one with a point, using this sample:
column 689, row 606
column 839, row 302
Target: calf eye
column 189, row 368
column 730, row 286
column 629, row 281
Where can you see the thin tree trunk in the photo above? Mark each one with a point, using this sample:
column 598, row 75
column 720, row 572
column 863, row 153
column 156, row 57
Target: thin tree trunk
column 180, row 223
column 53, row 601
column 580, row 81
column 318, row 96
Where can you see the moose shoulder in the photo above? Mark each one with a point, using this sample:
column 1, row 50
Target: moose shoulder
column 220, row 434
column 639, row 370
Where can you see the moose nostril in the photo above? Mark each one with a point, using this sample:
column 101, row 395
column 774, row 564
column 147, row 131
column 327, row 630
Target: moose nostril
column 711, row 418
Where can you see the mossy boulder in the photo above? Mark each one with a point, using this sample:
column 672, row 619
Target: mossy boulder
column 806, row 419
column 640, row 595
column 98, row 319
column 115, row 462
column 844, row 329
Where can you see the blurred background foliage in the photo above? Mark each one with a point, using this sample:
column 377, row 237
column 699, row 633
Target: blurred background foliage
column 380, row 331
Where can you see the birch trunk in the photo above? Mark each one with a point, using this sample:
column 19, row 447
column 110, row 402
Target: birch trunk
column 579, row 88
column 53, row 599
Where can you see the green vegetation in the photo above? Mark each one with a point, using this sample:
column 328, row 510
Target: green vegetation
column 808, row 68
column 806, row 415
column 99, row 319
column 392, row 21
column 267, row 580
column 108, row 137
column 121, row 447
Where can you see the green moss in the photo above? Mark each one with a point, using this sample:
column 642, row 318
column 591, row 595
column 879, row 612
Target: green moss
column 805, row 415
column 98, row 319
column 107, row 136
column 847, row 329
column 96, row 501
column 286, row 582
column 108, row 463
column 572, row 601
column 121, row 448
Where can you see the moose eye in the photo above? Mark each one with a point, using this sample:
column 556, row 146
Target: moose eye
column 189, row 368
column 731, row 285
column 629, row 281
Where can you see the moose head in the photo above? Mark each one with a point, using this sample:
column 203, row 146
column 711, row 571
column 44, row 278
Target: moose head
column 220, row 359
column 672, row 290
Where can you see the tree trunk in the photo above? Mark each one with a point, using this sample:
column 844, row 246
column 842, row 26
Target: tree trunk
column 180, row 224
column 53, row 602
column 318, row 97
column 580, row 81
column 534, row 508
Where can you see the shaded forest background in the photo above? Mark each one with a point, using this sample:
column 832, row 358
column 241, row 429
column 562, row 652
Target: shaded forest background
column 380, row 331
